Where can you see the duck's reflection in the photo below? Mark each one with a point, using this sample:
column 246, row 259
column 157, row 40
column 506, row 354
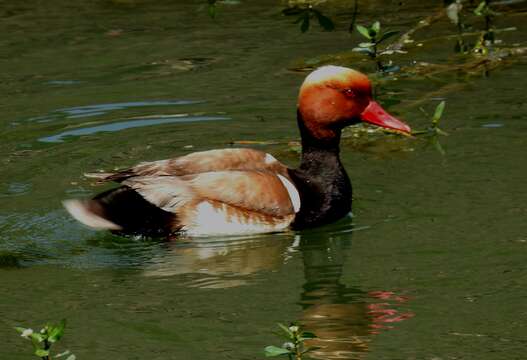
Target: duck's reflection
column 344, row 318
column 225, row 262
column 334, row 312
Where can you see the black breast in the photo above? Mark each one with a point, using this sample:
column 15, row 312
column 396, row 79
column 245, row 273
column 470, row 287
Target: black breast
column 325, row 194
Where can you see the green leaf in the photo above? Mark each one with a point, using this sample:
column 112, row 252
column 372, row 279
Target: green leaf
column 438, row 146
column 387, row 34
column 308, row 335
column 441, row 132
column 363, row 50
column 438, row 113
column 366, row 45
column 376, row 27
column 303, row 14
column 480, row 9
column 305, row 23
column 71, row 357
column 363, row 31
column 271, row 351
column 212, row 10
column 67, row 352
column 37, row 337
column 292, row 11
column 288, row 332
column 56, row 332
column 42, row 352
column 20, row 329
column 325, row 22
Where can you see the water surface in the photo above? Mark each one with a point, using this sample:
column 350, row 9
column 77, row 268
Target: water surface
column 431, row 266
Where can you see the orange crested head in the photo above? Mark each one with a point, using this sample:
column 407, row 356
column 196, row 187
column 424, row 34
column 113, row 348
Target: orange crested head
column 333, row 97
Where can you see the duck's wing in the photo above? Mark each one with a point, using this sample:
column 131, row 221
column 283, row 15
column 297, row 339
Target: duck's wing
column 254, row 190
column 200, row 162
column 223, row 202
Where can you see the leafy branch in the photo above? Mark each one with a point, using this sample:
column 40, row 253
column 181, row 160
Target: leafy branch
column 375, row 37
column 294, row 346
column 44, row 340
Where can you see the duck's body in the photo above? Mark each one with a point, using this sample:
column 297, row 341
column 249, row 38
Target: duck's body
column 244, row 191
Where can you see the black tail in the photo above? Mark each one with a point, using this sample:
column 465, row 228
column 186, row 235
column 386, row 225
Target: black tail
column 122, row 210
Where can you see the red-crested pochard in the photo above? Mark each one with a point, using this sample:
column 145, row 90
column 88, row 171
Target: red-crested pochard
column 246, row 191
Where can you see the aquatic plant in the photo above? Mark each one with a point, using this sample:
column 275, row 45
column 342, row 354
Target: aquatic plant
column 305, row 14
column 438, row 113
column 433, row 130
column 294, row 346
column 212, row 8
column 212, row 5
column 454, row 13
column 484, row 9
column 375, row 37
column 45, row 339
column 487, row 37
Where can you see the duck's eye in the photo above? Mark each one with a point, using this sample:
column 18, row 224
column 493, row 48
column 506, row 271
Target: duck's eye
column 349, row 93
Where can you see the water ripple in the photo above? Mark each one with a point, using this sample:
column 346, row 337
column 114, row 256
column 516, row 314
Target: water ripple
column 122, row 125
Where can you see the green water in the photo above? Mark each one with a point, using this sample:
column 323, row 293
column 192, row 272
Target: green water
column 432, row 266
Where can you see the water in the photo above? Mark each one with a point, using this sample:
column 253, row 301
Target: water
column 431, row 266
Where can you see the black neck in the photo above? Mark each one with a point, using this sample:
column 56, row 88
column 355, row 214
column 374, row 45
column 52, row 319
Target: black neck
column 317, row 152
column 324, row 186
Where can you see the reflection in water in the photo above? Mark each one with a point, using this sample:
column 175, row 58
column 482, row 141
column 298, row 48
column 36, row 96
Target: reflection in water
column 224, row 262
column 337, row 314
column 344, row 318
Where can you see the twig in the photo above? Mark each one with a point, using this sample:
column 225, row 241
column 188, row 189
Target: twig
column 354, row 16
column 427, row 21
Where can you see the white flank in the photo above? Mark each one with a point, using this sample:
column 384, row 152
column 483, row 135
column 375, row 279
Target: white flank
column 269, row 159
column 294, row 196
column 79, row 211
column 208, row 220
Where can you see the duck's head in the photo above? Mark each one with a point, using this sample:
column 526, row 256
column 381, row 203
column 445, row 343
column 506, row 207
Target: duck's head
column 333, row 97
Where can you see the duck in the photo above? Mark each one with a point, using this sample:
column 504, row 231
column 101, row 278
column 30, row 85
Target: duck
column 241, row 191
